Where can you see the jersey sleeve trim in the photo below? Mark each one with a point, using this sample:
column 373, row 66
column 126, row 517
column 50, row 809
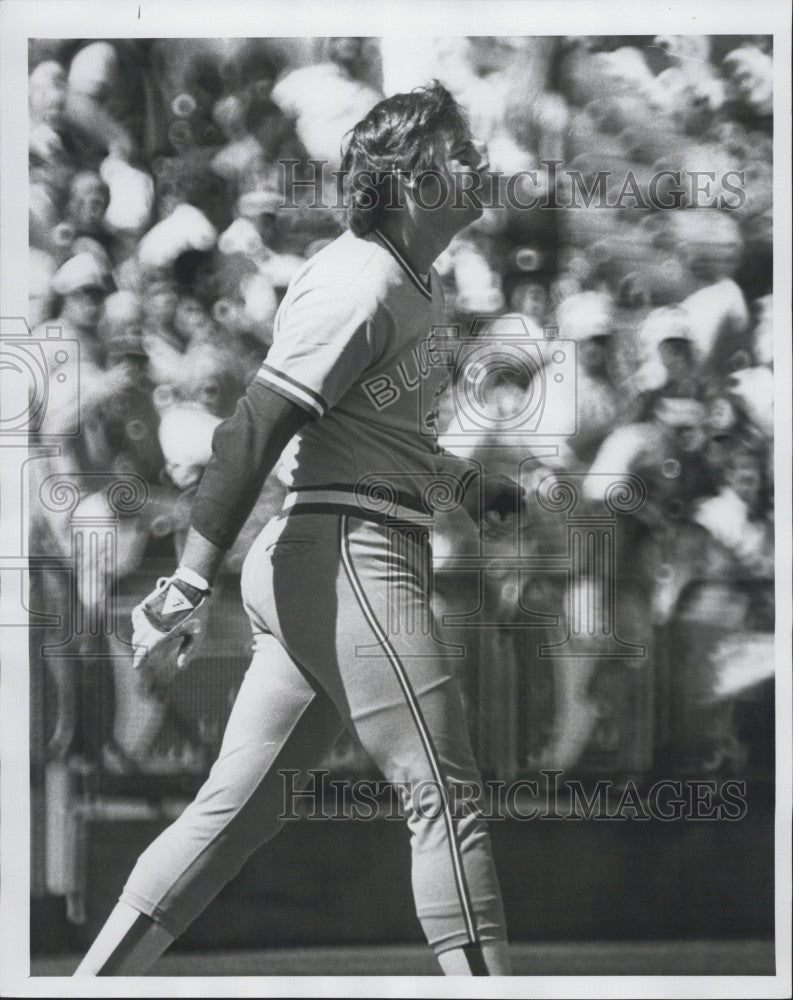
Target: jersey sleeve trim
column 289, row 387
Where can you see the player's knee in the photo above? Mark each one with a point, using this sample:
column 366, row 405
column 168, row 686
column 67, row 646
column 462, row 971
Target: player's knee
column 433, row 808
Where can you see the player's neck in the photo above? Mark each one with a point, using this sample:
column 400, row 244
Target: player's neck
column 419, row 247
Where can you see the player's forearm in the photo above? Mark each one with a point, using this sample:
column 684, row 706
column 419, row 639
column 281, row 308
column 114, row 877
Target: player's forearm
column 201, row 556
column 245, row 448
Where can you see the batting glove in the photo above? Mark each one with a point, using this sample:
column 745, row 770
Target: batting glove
column 165, row 614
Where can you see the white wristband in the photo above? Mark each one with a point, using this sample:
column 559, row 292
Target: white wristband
column 191, row 577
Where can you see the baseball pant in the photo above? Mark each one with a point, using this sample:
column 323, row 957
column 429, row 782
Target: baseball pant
column 339, row 606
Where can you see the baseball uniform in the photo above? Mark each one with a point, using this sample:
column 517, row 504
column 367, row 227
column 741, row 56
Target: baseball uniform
column 337, row 591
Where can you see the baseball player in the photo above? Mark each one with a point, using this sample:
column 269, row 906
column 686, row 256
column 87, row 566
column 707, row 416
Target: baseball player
column 335, row 585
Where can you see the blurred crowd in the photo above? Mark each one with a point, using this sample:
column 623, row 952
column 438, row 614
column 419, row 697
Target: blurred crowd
column 160, row 243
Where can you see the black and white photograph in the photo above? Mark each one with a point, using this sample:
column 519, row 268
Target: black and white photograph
column 395, row 474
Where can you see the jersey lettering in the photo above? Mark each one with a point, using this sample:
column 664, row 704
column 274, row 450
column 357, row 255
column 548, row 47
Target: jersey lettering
column 421, row 358
column 382, row 391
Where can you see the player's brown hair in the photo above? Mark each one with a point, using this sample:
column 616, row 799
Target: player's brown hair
column 401, row 134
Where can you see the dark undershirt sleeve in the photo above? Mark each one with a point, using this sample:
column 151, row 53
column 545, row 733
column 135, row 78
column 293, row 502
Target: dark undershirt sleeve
column 245, row 448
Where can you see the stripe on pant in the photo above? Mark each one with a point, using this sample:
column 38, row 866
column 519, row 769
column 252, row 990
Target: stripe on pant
column 128, row 943
column 418, row 718
column 476, row 960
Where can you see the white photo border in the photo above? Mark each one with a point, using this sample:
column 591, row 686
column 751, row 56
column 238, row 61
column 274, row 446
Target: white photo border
column 21, row 19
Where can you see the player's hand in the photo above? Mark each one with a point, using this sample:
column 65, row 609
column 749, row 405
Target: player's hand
column 502, row 495
column 169, row 612
column 503, row 504
column 501, row 500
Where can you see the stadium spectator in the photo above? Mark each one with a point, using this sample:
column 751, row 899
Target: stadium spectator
column 155, row 168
